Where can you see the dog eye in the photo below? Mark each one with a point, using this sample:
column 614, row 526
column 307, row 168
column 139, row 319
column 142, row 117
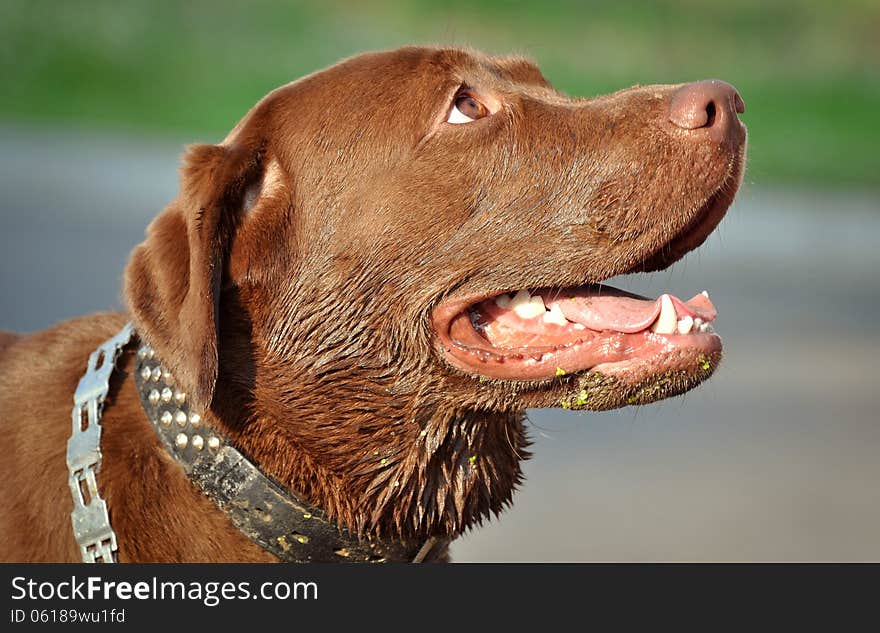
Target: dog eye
column 466, row 109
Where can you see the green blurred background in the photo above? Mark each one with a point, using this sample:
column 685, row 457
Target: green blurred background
column 773, row 459
column 809, row 71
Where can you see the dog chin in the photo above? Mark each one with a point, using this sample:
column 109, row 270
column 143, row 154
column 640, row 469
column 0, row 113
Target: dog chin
column 622, row 384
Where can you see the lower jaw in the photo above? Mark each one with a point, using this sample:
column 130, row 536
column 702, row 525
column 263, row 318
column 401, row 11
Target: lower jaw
column 629, row 358
column 629, row 383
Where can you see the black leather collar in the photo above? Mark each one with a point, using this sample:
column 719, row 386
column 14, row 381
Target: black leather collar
column 266, row 513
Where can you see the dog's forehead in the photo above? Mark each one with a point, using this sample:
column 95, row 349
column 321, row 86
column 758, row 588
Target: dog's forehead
column 415, row 70
column 377, row 97
column 511, row 69
column 449, row 65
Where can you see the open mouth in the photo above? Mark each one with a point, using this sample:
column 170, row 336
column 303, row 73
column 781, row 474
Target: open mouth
column 544, row 333
column 533, row 335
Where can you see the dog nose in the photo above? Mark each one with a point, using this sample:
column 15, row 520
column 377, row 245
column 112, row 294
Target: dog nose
column 710, row 104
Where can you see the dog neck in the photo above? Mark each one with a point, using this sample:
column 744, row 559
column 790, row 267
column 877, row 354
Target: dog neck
column 424, row 474
column 384, row 462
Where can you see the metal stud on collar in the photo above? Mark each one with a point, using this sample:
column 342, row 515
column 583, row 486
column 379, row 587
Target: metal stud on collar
column 177, row 427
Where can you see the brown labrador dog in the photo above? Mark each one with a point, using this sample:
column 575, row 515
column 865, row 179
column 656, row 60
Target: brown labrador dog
column 367, row 282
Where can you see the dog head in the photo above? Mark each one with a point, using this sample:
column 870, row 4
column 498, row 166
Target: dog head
column 381, row 215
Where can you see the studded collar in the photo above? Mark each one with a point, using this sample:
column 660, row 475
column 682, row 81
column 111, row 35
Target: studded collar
column 261, row 509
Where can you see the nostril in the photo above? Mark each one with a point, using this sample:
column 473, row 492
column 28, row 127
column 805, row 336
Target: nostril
column 710, row 114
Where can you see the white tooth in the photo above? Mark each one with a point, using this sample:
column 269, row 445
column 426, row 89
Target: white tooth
column 703, row 327
column 527, row 306
column 709, row 328
column 554, row 315
column 685, row 324
column 580, row 326
column 534, row 308
column 705, row 294
column 503, row 301
column 520, row 297
column 698, row 322
column 667, row 320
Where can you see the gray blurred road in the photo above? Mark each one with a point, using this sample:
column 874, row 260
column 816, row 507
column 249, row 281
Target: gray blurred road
column 776, row 458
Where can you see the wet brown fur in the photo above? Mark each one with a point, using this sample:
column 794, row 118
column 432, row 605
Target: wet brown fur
column 303, row 321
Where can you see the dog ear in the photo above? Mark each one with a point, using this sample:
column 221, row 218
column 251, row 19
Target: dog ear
column 173, row 279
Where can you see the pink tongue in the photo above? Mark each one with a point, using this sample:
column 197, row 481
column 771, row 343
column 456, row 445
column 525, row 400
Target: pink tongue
column 606, row 308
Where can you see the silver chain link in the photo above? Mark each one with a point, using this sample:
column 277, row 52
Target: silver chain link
column 91, row 522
